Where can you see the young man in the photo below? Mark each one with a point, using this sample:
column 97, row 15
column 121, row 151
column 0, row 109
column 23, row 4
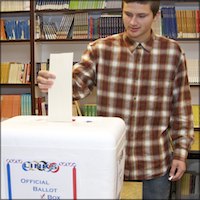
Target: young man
column 140, row 77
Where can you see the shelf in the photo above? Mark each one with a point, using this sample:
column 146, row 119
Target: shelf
column 64, row 40
column 15, row 89
column 15, row 85
column 68, row 11
column 194, row 84
column 14, row 41
column 15, row 12
column 194, row 155
column 187, row 39
column 88, row 40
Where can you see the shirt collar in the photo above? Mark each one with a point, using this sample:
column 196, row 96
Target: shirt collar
column 132, row 45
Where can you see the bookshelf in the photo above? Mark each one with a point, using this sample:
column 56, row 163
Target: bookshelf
column 36, row 48
column 16, row 60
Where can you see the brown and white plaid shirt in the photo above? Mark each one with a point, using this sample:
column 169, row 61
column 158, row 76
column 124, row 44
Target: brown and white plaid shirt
column 146, row 85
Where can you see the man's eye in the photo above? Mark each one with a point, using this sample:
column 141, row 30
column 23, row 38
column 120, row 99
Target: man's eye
column 142, row 16
column 128, row 14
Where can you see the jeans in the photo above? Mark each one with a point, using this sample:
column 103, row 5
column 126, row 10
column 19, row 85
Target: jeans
column 158, row 188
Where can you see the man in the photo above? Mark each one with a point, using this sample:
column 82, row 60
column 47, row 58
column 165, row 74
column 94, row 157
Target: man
column 140, row 77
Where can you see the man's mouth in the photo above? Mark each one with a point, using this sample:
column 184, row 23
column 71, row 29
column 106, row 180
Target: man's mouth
column 134, row 29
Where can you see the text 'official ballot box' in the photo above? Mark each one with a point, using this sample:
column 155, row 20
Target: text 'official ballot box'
column 82, row 159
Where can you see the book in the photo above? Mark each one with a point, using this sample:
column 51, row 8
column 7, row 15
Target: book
column 94, row 25
column 193, row 70
column 185, row 184
column 3, row 31
column 24, row 74
column 39, row 101
column 165, row 21
column 28, row 73
column 77, row 107
column 169, row 22
column 6, row 106
column 5, row 68
column 196, row 146
column 10, row 106
column 190, row 24
column 25, row 104
column 13, row 71
column 16, row 100
column 197, row 23
column 179, row 24
column 196, row 115
column 173, row 22
column 184, row 24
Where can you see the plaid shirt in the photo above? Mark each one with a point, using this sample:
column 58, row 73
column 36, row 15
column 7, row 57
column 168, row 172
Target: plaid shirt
column 147, row 86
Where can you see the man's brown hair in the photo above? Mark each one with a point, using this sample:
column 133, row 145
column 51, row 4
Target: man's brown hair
column 154, row 4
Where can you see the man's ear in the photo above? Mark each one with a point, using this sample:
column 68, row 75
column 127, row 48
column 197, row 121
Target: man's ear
column 157, row 15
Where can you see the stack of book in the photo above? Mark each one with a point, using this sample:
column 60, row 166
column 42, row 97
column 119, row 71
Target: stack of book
column 86, row 4
column 188, row 23
column 57, row 27
column 7, row 5
column 113, row 4
column 41, row 106
column 14, row 105
column 80, row 28
column 63, row 31
column 15, row 29
column 77, row 4
column 18, row 73
column 180, row 23
column 89, row 110
column 110, row 24
column 169, row 23
column 54, row 5
column 49, row 30
column 190, row 186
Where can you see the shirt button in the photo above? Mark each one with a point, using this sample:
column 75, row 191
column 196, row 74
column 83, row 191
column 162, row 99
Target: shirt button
column 134, row 98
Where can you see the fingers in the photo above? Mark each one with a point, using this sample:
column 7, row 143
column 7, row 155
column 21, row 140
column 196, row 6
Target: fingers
column 177, row 175
column 45, row 80
column 46, row 74
column 45, row 87
column 177, row 170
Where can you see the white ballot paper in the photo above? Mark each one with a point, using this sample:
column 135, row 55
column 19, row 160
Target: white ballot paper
column 60, row 95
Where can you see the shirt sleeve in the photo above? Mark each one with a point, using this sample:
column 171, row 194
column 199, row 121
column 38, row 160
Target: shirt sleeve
column 182, row 128
column 84, row 75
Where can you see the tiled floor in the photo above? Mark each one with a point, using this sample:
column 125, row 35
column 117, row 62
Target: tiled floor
column 131, row 190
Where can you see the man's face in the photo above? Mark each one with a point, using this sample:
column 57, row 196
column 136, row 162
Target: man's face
column 137, row 19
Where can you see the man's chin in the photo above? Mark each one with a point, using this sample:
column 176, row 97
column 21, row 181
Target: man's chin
column 132, row 35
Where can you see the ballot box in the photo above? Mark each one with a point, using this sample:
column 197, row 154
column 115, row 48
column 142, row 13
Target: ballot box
column 81, row 159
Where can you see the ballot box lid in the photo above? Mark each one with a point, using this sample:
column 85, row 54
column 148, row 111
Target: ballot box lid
column 84, row 132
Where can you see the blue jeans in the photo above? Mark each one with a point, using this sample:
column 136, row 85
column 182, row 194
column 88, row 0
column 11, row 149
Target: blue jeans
column 158, row 188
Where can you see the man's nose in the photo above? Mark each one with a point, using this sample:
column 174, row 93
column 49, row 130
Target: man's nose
column 133, row 20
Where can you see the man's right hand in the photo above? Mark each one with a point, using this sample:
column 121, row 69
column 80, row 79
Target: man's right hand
column 45, row 80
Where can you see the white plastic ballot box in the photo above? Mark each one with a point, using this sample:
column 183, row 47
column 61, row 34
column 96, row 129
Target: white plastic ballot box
column 81, row 159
